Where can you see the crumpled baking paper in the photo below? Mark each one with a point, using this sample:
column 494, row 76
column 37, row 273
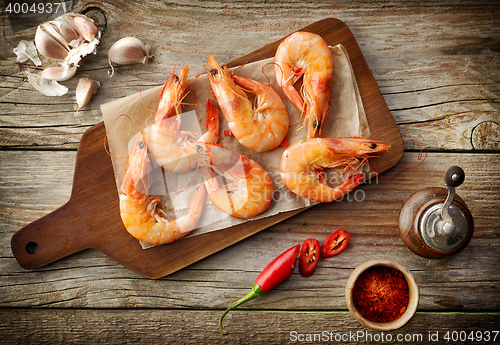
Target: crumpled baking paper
column 346, row 118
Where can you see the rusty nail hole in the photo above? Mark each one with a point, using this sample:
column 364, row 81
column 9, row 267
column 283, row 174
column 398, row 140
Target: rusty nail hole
column 31, row 247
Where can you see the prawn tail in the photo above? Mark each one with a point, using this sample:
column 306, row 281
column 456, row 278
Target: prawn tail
column 196, row 207
column 313, row 117
column 346, row 186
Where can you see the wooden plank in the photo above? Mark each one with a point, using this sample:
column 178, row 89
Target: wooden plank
column 468, row 281
column 195, row 327
column 435, row 63
column 437, row 66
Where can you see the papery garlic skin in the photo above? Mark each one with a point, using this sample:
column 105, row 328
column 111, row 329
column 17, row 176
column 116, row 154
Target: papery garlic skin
column 84, row 90
column 127, row 51
column 76, row 54
column 25, row 51
column 47, row 87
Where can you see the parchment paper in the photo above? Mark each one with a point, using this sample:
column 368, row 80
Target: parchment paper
column 346, row 118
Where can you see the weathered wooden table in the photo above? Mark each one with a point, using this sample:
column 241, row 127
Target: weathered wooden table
column 438, row 68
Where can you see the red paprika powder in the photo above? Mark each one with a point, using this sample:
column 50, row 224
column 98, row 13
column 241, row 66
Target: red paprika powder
column 381, row 294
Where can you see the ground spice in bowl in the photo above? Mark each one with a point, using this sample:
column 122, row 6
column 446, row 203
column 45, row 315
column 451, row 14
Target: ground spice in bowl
column 381, row 294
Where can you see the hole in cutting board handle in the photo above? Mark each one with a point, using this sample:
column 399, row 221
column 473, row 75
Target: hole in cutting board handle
column 31, row 247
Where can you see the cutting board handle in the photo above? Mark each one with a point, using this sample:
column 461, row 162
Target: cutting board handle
column 50, row 238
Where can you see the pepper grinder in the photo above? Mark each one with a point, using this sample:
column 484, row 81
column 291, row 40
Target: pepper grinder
column 435, row 222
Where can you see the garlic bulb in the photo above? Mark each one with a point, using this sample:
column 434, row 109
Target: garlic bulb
column 126, row 51
column 68, row 38
column 84, row 90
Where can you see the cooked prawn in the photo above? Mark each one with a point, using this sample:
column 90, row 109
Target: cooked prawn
column 141, row 213
column 302, row 165
column 306, row 54
column 236, row 184
column 166, row 140
column 260, row 128
column 251, row 182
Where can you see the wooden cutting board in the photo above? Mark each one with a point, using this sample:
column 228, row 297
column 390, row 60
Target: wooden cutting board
column 91, row 217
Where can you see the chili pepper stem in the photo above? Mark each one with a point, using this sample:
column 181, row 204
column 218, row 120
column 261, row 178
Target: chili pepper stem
column 255, row 292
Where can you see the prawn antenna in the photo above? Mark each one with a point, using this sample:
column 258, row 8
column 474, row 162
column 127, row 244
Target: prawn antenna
column 194, row 105
column 106, row 137
column 142, row 100
column 294, row 123
column 281, row 69
column 270, row 63
column 191, row 91
column 355, row 165
column 237, row 68
column 419, row 157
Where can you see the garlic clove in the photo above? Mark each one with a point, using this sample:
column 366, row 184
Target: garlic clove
column 52, row 29
column 50, row 43
column 85, row 26
column 128, row 50
column 68, row 32
column 84, row 90
column 59, row 73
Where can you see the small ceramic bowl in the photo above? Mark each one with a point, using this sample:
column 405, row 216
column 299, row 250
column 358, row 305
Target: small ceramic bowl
column 413, row 295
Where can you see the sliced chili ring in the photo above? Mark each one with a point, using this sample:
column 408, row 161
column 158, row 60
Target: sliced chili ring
column 309, row 257
column 335, row 243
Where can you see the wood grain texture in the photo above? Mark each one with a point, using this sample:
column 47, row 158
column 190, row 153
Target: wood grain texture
column 436, row 63
column 91, row 280
column 194, row 327
column 438, row 68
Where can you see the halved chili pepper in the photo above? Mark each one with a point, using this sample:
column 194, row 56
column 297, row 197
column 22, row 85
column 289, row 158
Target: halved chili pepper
column 309, row 257
column 335, row 243
column 274, row 273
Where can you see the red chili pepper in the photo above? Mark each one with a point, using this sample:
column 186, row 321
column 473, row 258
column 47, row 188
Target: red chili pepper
column 309, row 257
column 335, row 243
column 275, row 272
